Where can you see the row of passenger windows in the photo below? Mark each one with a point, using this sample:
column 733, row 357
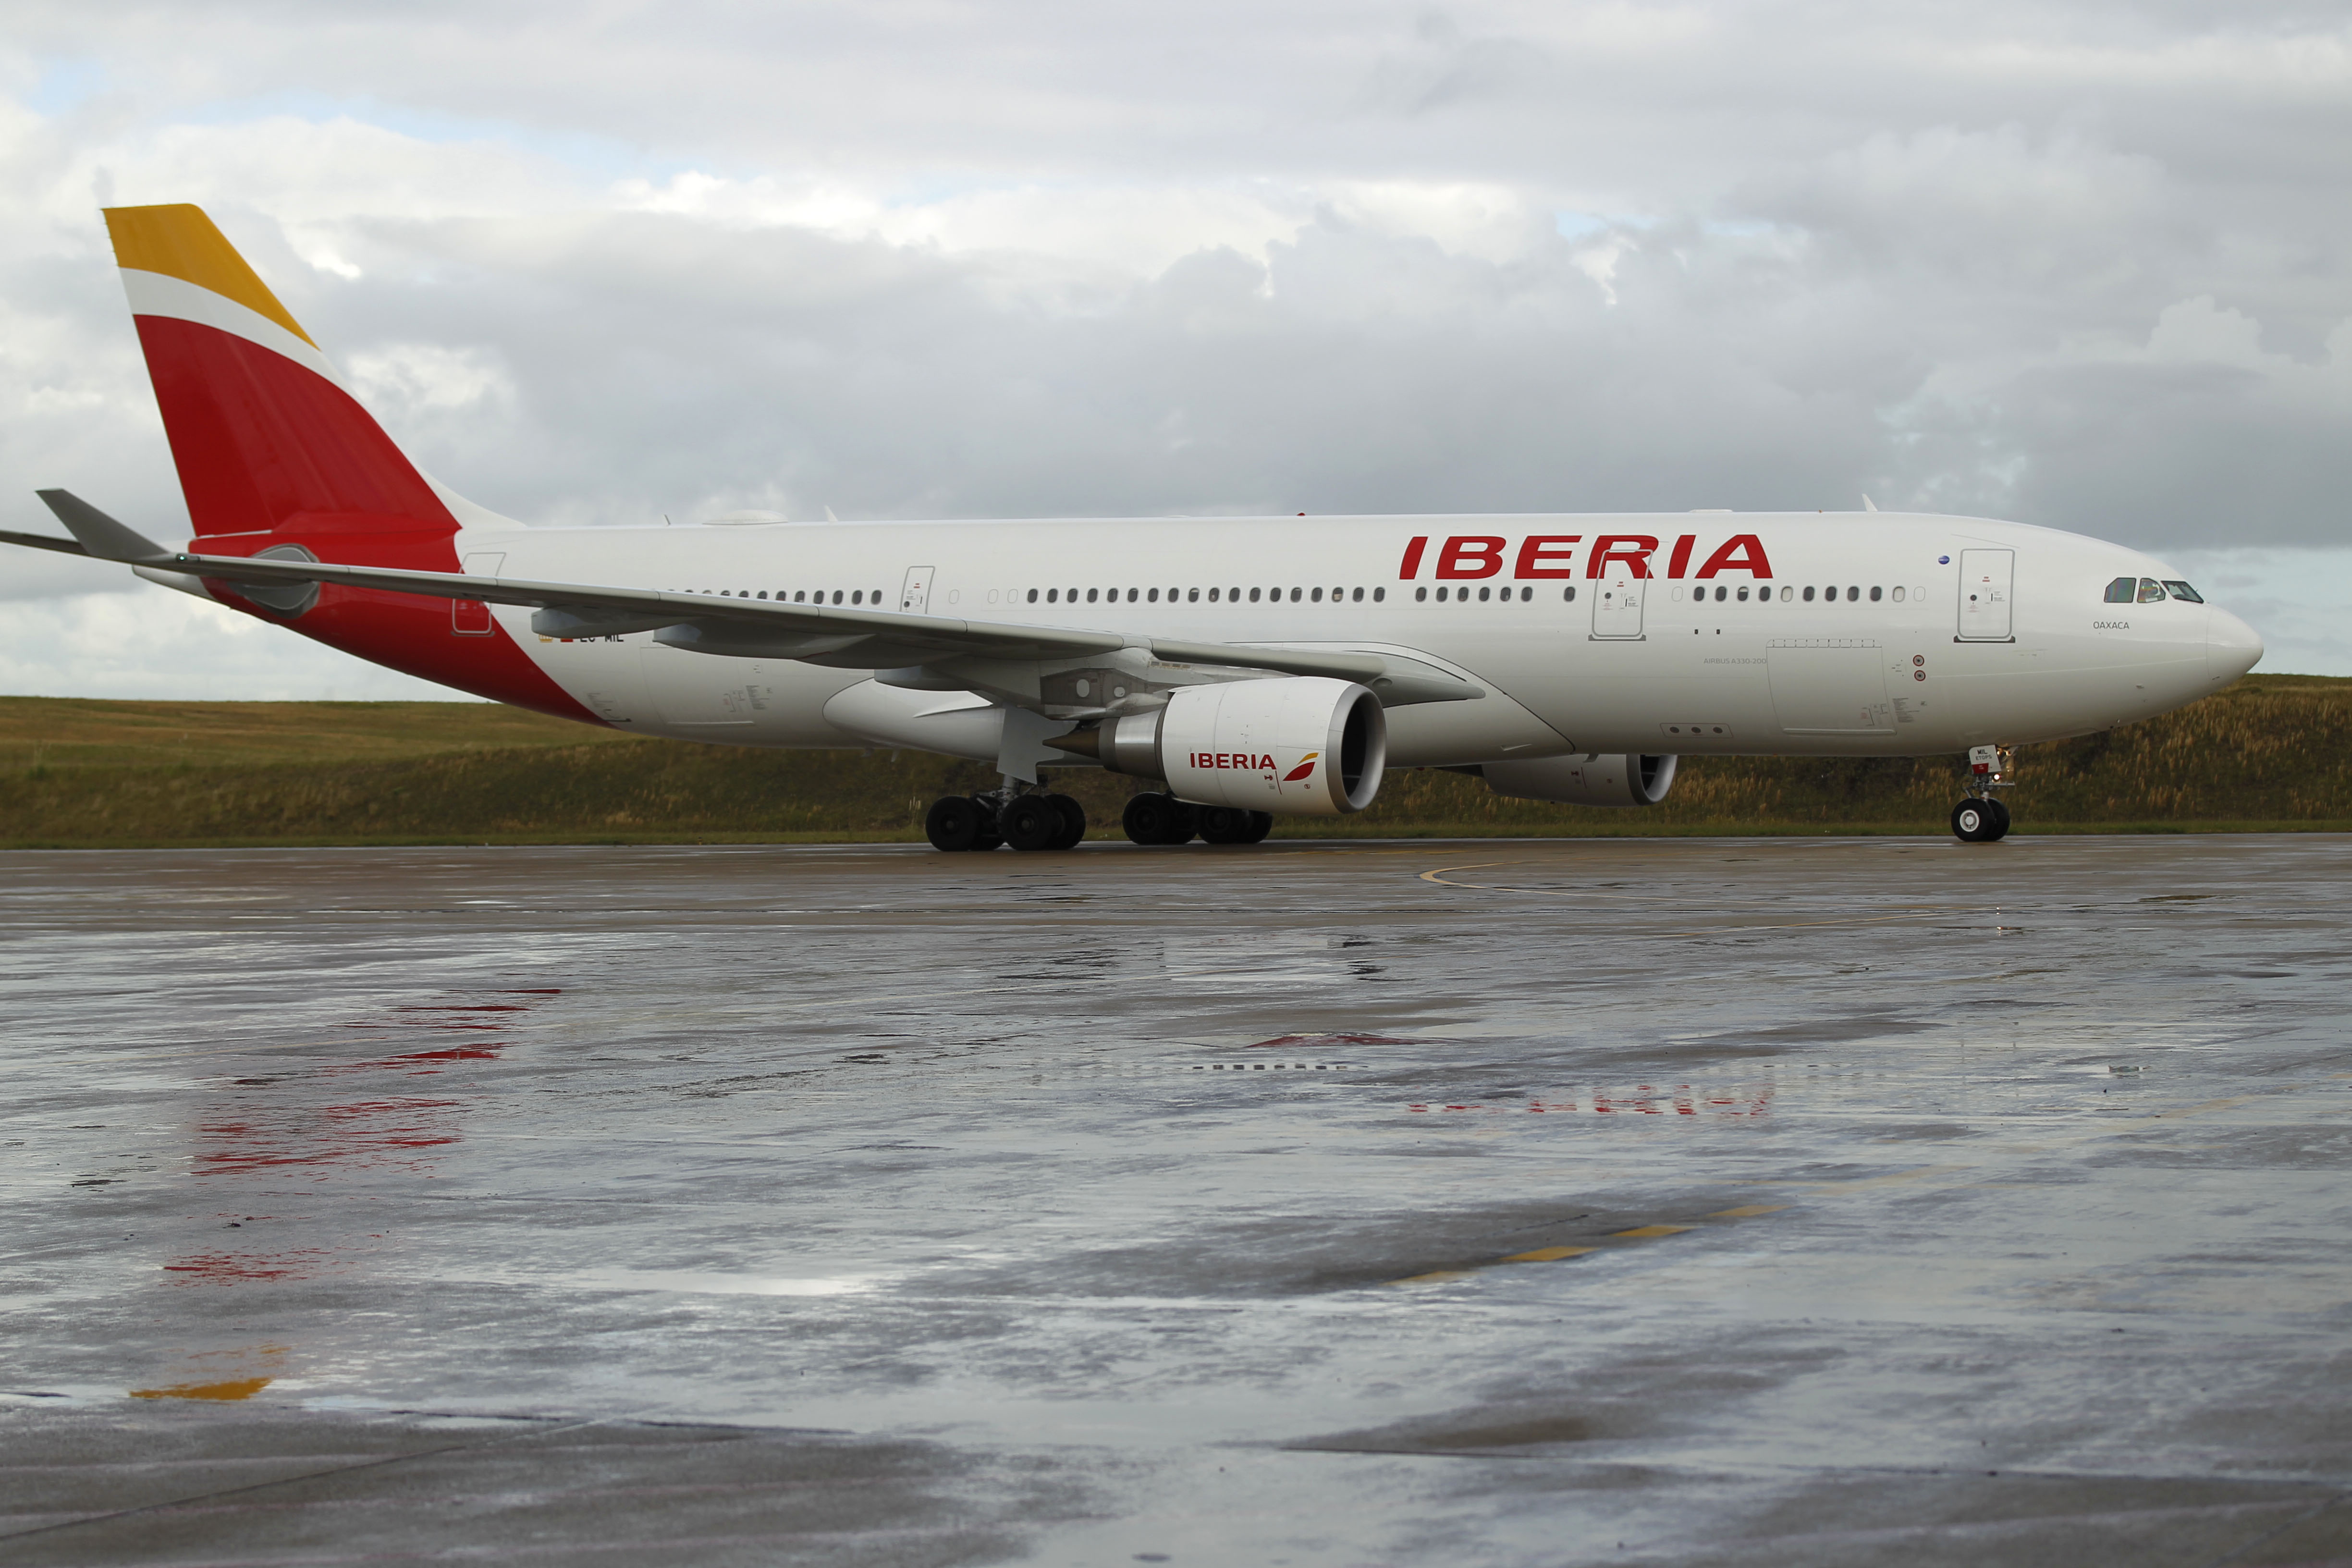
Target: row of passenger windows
column 2119, row 592
column 1216, row 595
column 2148, row 591
column 799, row 596
column 1852, row 594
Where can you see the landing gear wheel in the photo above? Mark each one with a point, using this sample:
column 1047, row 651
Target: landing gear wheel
column 1158, row 819
column 1977, row 821
column 957, row 822
column 1074, row 822
column 1032, row 822
column 1227, row 825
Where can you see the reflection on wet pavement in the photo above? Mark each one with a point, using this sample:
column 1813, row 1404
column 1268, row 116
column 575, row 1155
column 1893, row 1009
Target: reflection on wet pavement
column 1751, row 1202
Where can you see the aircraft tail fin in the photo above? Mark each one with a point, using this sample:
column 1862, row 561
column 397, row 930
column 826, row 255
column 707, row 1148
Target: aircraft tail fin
column 264, row 435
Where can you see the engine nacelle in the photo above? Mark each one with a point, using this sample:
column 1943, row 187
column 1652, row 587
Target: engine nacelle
column 1610, row 780
column 1293, row 746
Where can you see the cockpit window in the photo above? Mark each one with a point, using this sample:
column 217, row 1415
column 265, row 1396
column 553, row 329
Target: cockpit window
column 2119, row 592
column 2151, row 592
column 2183, row 591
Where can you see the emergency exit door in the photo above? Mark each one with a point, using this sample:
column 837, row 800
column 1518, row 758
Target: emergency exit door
column 1617, row 604
column 471, row 618
column 1986, row 577
column 915, row 598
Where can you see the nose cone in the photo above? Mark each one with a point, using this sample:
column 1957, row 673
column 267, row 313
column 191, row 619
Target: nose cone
column 2231, row 646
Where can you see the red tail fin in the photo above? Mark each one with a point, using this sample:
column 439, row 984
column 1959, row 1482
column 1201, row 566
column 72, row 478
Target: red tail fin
column 265, row 437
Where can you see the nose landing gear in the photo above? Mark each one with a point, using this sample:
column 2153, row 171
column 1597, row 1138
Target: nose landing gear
column 1979, row 818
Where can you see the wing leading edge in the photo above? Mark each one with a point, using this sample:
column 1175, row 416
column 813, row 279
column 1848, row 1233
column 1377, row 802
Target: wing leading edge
column 749, row 628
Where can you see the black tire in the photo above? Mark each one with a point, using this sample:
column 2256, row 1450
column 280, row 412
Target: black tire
column 1074, row 822
column 1225, row 825
column 1972, row 821
column 1157, row 819
column 1261, row 824
column 1999, row 821
column 955, row 822
column 1031, row 823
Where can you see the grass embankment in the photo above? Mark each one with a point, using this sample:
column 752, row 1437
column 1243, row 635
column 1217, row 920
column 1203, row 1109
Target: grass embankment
column 2273, row 752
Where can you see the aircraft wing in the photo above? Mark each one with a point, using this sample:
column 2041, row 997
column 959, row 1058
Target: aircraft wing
column 852, row 638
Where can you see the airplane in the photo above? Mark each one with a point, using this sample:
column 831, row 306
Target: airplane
column 1241, row 668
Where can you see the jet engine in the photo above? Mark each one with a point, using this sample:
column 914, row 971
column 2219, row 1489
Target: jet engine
column 1293, row 746
column 1607, row 780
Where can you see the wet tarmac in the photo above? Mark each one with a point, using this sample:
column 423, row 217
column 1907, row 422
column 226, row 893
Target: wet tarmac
column 1773, row 1202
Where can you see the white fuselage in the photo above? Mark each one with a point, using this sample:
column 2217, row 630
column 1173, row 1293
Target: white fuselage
column 1646, row 656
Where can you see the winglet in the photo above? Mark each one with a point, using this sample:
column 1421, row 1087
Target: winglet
column 99, row 534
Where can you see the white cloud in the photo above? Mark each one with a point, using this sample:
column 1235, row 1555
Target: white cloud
column 2084, row 264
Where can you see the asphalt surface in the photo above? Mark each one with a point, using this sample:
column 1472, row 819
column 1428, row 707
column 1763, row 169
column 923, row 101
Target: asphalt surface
column 1763, row 1201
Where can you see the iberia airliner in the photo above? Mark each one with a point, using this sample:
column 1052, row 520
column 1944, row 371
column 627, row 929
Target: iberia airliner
column 1249, row 668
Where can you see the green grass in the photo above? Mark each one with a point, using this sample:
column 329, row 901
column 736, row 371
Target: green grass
column 2270, row 754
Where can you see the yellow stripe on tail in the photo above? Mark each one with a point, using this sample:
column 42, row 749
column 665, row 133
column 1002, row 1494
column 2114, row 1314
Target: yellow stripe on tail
column 179, row 241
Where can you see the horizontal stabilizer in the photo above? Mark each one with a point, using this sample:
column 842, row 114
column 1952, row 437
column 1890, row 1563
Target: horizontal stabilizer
column 99, row 534
column 42, row 542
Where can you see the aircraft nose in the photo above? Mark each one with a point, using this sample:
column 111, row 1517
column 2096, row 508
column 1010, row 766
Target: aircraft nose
column 2231, row 646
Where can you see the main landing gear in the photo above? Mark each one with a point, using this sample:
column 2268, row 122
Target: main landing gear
column 1165, row 819
column 1979, row 818
column 959, row 822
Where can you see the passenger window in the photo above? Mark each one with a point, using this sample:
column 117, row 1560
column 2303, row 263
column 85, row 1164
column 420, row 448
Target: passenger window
column 836, row 596
column 1441, row 596
column 1155, row 595
column 1253, row 595
column 1090, row 594
column 1483, row 595
column 1130, row 595
column 2151, row 592
column 1898, row 595
column 2183, row 591
column 2119, row 592
column 1420, row 594
column 1359, row 595
column 1378, row 594
column 1295, row 594
column 1786, row 594
column 1053, row 596
column 858, row 597
column 1192, row 595
column 1743, row 596
column 1212, row 596
column 1853, row 595
column 1876, row 594
column 1809, row 595
column 1317, row 595
column 1568, row 595
column 1033, row 595
column 1525, row 595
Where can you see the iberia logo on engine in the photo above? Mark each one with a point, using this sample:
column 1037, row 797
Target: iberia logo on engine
column 1247, row 760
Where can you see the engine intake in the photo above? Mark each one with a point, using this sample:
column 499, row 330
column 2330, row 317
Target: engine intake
column 1612, row 779
column 1295, row 746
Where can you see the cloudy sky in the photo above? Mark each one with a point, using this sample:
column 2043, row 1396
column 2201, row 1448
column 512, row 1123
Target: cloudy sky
column 2081, row 264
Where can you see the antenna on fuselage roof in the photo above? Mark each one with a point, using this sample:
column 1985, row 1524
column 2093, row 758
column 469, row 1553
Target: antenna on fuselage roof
column 1868, row 504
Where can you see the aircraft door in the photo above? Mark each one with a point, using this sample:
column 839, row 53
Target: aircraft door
column 1617, row 604
column 471, row 618
column 915, row 598
column 1829, row 685
column 1987, row 580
